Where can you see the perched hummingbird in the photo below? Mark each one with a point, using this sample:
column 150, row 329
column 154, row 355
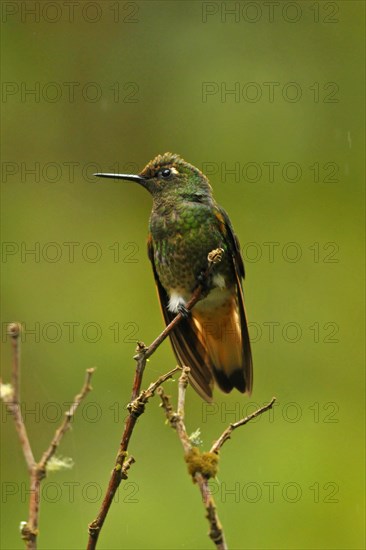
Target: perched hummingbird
column 185, row 225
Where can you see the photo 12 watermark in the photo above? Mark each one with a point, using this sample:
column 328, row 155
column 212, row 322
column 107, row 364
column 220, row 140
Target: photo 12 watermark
column 71, row 252
column 74, row 332
column 291, row 412
column 270, row 12
column 69, row 11
column 72, row 92
column 270, row 492
column 271, row 171
column 270, row 92
column 68, row 171
column 52, row 492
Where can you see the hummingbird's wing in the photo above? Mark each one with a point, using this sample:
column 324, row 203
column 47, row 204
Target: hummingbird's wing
column 185, row 341
column 233, row 245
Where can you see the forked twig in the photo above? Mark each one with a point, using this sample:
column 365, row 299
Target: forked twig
column 202, row 466
column 229, row 430
column 37, row 471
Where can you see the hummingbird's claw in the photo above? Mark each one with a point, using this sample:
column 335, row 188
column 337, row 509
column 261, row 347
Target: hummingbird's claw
column 203, row 282
column 185, row 313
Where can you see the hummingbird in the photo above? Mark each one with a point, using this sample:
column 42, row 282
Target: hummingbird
column 186, row 224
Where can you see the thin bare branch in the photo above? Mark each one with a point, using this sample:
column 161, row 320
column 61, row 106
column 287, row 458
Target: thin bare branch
column 12, row 398
column 60, row 432
column 182, row 387
column 14, row 330
column 201, row 466
column 136, row 408
column 227, row 433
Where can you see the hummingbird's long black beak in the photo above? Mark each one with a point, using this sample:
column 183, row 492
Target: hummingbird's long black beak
column 130, row 177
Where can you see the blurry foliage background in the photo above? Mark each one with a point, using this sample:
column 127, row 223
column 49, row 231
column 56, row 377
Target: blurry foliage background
column 290, row 480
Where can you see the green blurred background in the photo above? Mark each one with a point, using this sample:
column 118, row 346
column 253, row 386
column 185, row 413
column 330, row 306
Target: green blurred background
column 139, row 73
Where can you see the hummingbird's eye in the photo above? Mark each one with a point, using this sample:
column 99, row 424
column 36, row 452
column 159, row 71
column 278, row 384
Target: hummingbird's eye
column 166, row 173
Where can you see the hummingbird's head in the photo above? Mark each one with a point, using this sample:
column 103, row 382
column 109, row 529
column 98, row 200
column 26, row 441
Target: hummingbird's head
column 169, row 175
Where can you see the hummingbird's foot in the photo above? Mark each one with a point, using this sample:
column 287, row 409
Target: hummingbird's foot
column 185, row 313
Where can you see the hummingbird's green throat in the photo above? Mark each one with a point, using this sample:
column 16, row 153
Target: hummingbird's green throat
column 185, row 224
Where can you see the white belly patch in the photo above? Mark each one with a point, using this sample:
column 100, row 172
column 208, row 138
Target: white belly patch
column 175, row 301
